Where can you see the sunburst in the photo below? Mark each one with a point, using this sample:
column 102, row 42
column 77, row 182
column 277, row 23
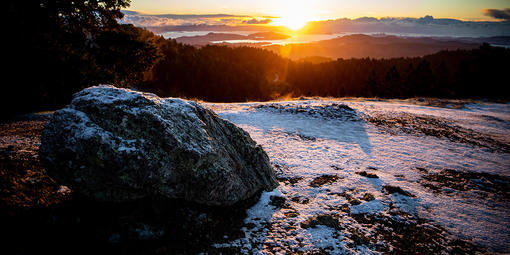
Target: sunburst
column 295, row 16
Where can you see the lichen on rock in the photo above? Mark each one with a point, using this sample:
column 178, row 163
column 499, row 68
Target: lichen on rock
column 117, row 145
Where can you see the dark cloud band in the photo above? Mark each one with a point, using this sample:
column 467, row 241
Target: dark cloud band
column 257, row 21
column 498, row 14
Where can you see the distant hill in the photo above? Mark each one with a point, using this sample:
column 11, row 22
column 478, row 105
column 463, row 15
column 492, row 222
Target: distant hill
column 208, row 38
column 214, row 37
column 362, row 46
column 315, row 59
column 349, row 46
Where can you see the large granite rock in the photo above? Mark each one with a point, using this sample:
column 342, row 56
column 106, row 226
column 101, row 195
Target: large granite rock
column 119, row 145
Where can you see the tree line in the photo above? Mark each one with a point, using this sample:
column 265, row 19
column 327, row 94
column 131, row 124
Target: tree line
column 57, row 48
column 233, row 74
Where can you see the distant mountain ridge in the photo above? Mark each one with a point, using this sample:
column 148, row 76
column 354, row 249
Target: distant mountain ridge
column 348, row 46
column 363, row 46
column 214, row 37
column 426, row 26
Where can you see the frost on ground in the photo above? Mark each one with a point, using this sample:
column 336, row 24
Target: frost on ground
column 23, row 182
column 365, row 176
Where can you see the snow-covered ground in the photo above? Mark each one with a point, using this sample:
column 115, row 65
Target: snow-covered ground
column 370, row 176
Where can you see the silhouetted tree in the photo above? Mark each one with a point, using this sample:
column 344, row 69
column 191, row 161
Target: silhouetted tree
column 57, row 47
column 392, row 86
column 443, row 81
column 220, row 73
column 421, row 79
column 372, row 85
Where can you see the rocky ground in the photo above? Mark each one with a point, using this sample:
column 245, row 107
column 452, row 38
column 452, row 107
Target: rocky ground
column 24, row 182
column 378, row 176
column 356, row 177
column 36, row 210
column 52, row 218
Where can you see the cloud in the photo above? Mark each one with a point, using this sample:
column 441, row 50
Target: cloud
column 257, row 21
column 427, row 25
column 498, row 14
column 148, row 21
column 160, row 20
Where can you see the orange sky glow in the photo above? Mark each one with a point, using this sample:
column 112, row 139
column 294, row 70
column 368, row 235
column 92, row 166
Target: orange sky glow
column 296, row 13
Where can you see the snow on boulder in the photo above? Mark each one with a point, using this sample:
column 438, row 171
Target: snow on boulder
column 116, row 145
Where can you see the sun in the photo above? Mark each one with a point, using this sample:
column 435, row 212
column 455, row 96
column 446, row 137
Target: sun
column 292, row 22
column 295, row 16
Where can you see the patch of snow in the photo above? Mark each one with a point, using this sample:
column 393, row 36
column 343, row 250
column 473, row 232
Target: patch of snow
column 371, row 207
column 305, row 147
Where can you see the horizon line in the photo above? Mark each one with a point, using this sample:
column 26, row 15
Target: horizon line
column 315, row 20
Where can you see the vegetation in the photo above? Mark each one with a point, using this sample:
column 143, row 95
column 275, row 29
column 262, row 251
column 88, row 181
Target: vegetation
column 60, row 47
column 221, row 73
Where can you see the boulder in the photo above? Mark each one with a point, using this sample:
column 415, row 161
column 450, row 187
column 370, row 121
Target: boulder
column 118, row 145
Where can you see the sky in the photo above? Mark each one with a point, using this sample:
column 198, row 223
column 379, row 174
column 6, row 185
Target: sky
column 472, row 10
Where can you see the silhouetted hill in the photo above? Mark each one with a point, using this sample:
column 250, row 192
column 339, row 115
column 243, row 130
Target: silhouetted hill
column 208, row 38
column 315, row 59
column 214, row 37
column 362, row 46
column 349, row 46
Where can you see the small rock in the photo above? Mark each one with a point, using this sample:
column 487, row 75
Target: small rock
column 277, row 201
column 368, row 197
column 336, row 167
column 250, row 225
column 323, row 180
column 394, row 189
column 291, row 214
column 326, row 220
column 354, row 202
column 301, row 200
column 368, row 175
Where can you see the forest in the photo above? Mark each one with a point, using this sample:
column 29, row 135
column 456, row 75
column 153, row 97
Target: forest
column 226, row 74
column 60, row 47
